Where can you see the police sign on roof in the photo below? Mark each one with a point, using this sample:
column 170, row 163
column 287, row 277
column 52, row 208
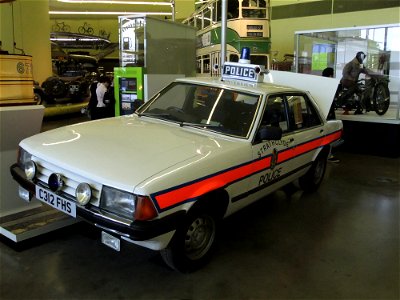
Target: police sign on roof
column 240, row 71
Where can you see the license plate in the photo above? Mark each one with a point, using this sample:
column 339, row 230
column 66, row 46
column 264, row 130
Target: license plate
column 54, row 200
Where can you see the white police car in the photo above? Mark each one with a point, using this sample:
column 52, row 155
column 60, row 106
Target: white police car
column 198, row 151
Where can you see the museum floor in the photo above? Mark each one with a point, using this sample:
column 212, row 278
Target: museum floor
column 341, row 242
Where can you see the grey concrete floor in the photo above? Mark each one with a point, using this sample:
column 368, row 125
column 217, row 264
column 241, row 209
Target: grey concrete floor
column 341, row 242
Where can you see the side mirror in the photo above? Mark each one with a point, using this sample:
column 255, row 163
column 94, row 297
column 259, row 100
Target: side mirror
column 269, row 133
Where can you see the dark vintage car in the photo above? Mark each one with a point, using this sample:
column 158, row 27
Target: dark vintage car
column 75, row 74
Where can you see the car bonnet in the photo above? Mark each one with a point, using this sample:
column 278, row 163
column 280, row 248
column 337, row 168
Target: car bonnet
column 120, row 152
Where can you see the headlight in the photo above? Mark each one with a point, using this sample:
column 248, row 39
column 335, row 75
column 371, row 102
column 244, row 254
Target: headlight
column 118, row 202
column 30, row 169
column 23, row 157
column 83, row 193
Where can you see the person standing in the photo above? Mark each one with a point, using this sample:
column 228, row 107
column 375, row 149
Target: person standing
column 100, row 110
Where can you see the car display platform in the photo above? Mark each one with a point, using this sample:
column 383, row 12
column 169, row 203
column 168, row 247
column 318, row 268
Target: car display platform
column 63, row 108
column 33, row 222
column 370, row 133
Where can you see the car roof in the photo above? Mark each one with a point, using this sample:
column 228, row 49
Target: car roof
column 245, row 86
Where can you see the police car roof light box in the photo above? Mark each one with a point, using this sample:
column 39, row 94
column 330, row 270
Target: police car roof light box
column 243, row 70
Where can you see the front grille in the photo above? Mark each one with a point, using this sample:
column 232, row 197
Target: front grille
column 71, row 180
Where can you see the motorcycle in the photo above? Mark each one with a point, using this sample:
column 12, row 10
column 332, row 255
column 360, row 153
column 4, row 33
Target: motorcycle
column 371, row 93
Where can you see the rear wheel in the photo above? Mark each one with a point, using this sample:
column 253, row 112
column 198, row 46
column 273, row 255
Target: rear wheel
column 310, row 181
column 381, row 99
column 193, row 243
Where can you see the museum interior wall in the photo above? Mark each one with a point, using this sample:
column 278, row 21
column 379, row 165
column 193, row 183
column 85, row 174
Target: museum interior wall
column 27, row 23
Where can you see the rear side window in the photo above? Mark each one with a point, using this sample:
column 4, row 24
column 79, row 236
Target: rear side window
column 302, row 113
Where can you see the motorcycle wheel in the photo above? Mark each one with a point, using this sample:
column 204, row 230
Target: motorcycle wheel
column 381, row 99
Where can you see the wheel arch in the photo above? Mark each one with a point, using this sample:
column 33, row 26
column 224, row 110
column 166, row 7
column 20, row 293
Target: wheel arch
column 215, row 201
column 325, row 150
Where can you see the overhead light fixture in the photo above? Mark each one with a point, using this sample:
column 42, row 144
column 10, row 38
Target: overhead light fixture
column 118, row 2
column 119, row 13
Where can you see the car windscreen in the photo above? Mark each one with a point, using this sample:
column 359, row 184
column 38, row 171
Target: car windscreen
column 210, row 108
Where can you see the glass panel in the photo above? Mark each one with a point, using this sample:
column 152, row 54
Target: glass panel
column 376, row 46
column 393, row 41
column 233, row 9
column 234, row 57
column 198, row 64
column 206, row 63
column 262, row 3
column 198, row 20
column 391, row 63
column 254, row 13
column 315, row 50
column 259, row 60
column 218, row 11
column 132, row 42
column 207, row 18
column 214, row 12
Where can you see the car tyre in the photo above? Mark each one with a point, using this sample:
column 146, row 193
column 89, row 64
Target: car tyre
column 193, row 243
column 310, row 181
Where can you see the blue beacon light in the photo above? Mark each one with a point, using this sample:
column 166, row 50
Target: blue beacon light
column 245, row 56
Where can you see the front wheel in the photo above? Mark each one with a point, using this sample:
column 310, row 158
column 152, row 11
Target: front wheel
column 38, row 98
column 381, row 99
column 193, row 244
column 310, row 181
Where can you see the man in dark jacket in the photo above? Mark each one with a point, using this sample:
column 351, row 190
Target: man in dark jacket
column 349, row 79
column 352, row 70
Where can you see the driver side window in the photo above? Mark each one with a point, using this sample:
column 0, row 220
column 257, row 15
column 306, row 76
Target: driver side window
column 275, row 113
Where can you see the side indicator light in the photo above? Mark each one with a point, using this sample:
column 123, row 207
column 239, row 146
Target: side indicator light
column 145, row 209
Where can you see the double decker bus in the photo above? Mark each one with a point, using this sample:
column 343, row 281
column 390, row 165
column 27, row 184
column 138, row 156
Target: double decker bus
column 248, row 25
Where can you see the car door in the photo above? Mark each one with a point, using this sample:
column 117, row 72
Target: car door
column 305, row 132
column 280, row 162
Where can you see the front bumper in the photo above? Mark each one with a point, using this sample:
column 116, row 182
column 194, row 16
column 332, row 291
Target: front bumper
column 136, row 230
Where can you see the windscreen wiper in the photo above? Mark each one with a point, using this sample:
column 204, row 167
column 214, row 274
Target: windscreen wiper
column 199, row 125
column 146, row 114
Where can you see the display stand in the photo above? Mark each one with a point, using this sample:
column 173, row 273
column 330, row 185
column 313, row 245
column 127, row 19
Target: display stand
column 148, row 62
column 370, row 133
column 20, row 220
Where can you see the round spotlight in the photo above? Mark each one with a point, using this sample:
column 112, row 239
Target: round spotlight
column 30, row 169
column 55, row 182
column 83, row 193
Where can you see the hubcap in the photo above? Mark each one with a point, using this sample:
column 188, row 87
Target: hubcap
column 319, row 171
column 199, row 237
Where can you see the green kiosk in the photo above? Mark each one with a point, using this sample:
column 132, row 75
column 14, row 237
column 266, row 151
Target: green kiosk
column 153, row 53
